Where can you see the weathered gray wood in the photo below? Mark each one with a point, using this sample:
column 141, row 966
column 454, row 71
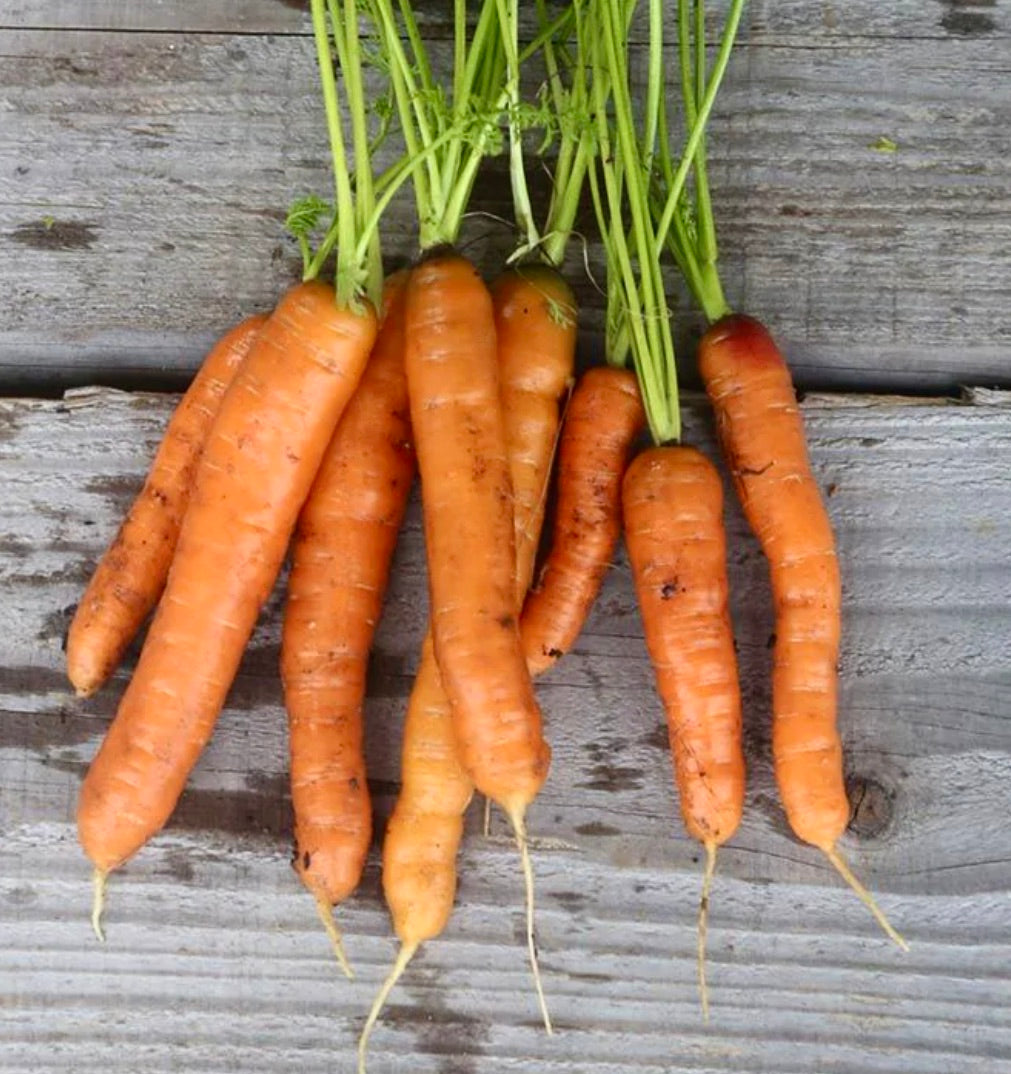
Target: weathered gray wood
column 823, row 23
column 215, row 961
column 143, row 177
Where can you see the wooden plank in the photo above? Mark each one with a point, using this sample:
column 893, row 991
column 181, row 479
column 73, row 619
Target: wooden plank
column 817, row 24
column 215, row 961
column 148, row 174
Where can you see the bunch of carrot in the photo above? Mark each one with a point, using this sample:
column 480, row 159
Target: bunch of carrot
column 304, row 428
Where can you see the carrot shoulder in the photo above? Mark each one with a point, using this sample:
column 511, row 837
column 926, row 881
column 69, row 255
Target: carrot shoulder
column 261, row 456
column 341, row 554
column 130, row 576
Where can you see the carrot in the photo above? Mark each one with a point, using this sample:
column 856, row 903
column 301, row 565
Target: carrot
column 672, row 498
column 424, row 831
column 259, row 461
column 535, row 330
column 130, row 576
column 341, row 555
column 467, row 498
column 258, row 464
column 535, row 355
column 603, row 419
column 673, row 511
column 762, row 435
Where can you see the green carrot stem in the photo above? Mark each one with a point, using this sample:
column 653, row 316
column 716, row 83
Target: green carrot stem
column 344, row 201
column 704, row 207
column 675, row 188
column 451, row 129
column 410, row 101
column 508, row 11
column 642, row 305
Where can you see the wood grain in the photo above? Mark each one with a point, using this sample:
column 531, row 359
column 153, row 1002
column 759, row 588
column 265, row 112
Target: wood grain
column 144, row 176
column 215, row 961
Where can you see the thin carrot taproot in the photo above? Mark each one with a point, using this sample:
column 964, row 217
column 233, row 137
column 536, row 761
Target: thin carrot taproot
column 341, row 553
column 603, row 418
column 131, row 574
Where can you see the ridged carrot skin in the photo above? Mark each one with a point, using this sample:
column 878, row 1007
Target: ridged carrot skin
column 535, row 326
column 453, row 383
column 341, row 554
column 673, row 511
column 131, row 575
column 424, row 831
column 423, row 835
column 258, row 464
column 762, row 435
column 603, row 419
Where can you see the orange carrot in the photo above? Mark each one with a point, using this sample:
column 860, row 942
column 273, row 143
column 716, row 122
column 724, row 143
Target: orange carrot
column 762, row 435
column 423, row 834
column 341, row 556
column 603, row 419
column 535, row 330
column 535, row 320
column 468, row 507
column 258, row 464
column 673, row 509
column 130, row 576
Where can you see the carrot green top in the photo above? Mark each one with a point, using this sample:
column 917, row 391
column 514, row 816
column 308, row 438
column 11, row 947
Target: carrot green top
column 633, row 161
column 687, row 226
column 354, row 226
column 447, row 130
column 561, row 112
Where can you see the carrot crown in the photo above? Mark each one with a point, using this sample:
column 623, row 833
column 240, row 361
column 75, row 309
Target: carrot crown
column 633, row 160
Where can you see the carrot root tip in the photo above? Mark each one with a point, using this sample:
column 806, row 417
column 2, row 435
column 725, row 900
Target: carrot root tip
column 325, row 911
column 841, row 867
column 520, row 831
column 486, row 826
column 703, row 926
column 404, row 956
column 99, row 879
